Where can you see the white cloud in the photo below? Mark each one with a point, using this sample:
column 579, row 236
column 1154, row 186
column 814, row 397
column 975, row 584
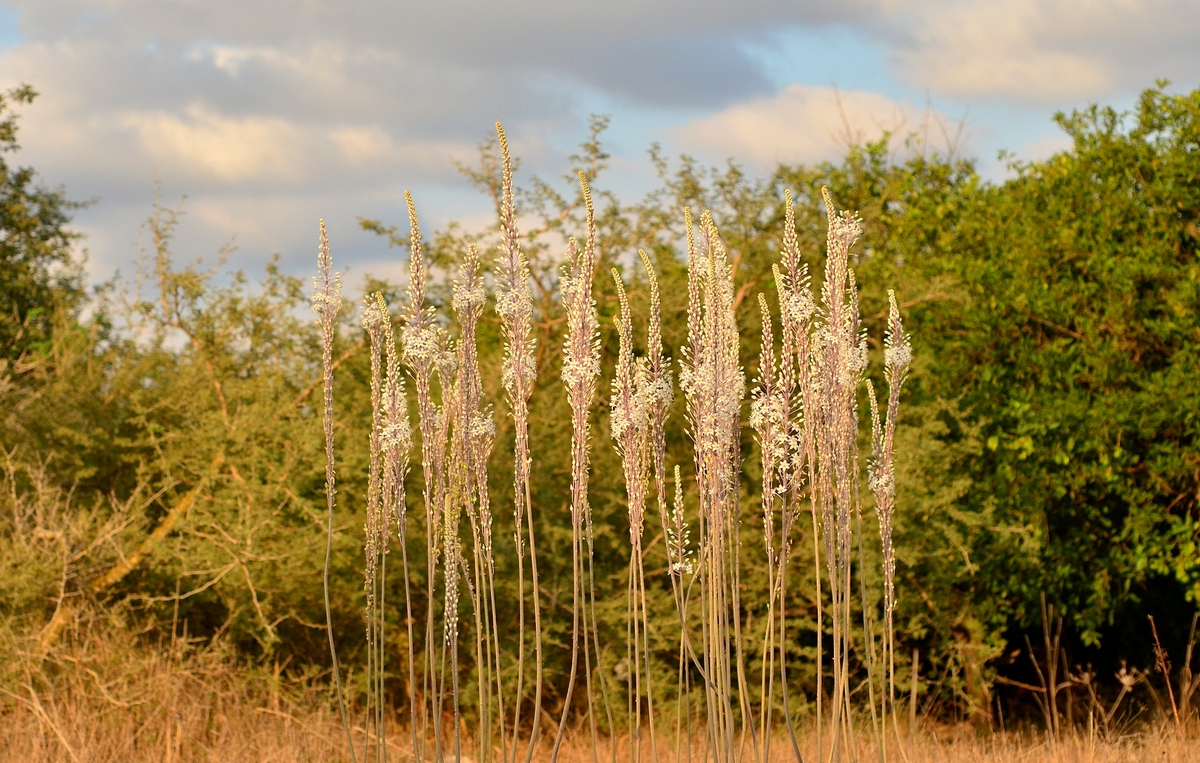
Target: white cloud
column 359, row 145
column 800, row 124
column 204, row 143
column 1044, row 51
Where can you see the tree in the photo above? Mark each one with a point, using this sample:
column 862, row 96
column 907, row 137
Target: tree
column 1074, row 347
column 39, row 276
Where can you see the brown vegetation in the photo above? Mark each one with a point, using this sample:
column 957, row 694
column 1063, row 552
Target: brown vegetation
column 103, row 700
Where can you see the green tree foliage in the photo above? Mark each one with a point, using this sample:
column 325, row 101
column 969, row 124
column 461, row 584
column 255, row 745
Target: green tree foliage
column 207, row 387
column 38, row 276
column 1075, row 348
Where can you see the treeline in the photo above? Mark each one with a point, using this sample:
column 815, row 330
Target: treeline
column 163, row 465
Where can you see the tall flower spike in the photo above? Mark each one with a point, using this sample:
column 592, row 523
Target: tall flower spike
column 514, row 299
column 326, row 302
column 659, row 392
column 897, row 353
column 713, row 384
column 843, row 231
column 678, row 539
column 695, row 278
column 581, row 366
column 629, row 415
column 662, row 393
column 767, row 418
column 396, row 441
column 421, row 348
column 416, row 263
column 897, row 357
column 631, row 407
column 376, row 323
column 791, row 246
column 396, row 437
column 514, row 305
column 374, row 320
column 767, row 414
column 623, row 419
column 877, row 480
column 327, row 287
column 420, row 334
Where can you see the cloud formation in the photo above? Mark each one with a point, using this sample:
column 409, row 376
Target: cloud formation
column 267, row 114
column 1044, row 51
column 800, row 124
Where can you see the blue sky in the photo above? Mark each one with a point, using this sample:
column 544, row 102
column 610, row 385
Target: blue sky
column 270, row 115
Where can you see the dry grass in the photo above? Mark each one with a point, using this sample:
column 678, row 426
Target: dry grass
column 104, row 701
column 950, row 745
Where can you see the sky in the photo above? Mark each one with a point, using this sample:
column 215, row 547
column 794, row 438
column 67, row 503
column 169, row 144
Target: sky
column 269, row 115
